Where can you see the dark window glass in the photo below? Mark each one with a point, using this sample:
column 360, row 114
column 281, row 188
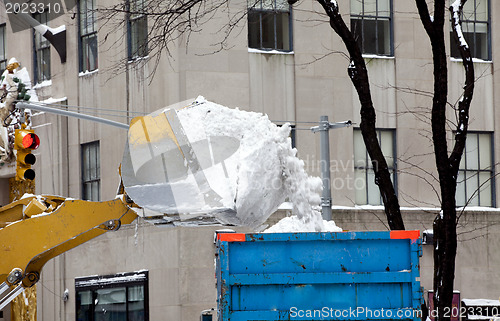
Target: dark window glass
column 475, row 27
column 475, row 182
column 269, row 25
column 42, row 51
column 371, row 26
column 120, row 297
column 88, row 35
column 137, row 29
column 91, row 171
column 367, row 192
column 3, row 57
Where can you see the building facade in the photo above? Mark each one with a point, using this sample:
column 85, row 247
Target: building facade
column 281, row 60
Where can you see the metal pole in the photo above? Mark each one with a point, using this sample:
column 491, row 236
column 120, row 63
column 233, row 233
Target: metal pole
column 324, row 127
column 72, row 114
column 324, row 141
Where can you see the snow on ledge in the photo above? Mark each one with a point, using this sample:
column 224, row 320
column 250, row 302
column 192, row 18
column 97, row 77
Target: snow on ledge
column 368, row 56
column 87, row 73
column 52, row 100
column 45, row 83
column 479, row 317
column 478, row 209
column 115, row 279
column 475, row 60
column 137, row 59
column 481, row 302
column 271, row 52
column 381, row 208
column 424, row 209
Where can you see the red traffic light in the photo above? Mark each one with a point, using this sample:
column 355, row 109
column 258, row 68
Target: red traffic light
column 30, row 141
column 25, row 141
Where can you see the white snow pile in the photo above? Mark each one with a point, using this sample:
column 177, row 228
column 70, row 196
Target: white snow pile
column 239, row 167
column 295, row 223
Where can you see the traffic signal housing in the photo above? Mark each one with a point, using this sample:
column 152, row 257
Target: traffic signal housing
column 25, row 141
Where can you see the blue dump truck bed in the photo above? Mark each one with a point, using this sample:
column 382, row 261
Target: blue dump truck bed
column 319, row 276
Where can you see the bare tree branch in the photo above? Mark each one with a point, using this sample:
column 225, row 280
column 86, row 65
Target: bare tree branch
column 168, row 22
column 425, row 16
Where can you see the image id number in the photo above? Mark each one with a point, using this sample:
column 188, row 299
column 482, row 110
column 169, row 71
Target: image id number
column 32, row 8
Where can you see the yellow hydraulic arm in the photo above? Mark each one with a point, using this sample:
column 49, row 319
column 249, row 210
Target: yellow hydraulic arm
column 35, row 229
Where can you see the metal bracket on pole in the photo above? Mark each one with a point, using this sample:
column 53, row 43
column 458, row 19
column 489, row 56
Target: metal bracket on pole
column 325, row 125
column 324, row 128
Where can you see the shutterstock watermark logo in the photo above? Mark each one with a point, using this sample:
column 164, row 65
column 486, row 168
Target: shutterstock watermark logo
column 355, row 313
column 17, row 10
column 343, row 174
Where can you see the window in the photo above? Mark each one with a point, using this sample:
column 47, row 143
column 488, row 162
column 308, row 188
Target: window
column 364, row 176
column 293, row 136
column 91, row 168
column 42, row 51
column 3, row 57
column 476, row 29
column 475, row 183
column 371, row 24
column 88, row 35
column 121, row 296
column 269, row 25
column 137, row 30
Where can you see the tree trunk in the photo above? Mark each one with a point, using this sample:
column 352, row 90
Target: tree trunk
column 445, row 229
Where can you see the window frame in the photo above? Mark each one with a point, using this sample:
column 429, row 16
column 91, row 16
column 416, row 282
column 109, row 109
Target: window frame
column 133, row 20
column 275, row 12
column 87, row 35
column 3, row 49
column 119, row 280
column 40, row 50
column 476, row 172
column 85, row 182
column 375, row 17
column 454, row 52
column 369, row 167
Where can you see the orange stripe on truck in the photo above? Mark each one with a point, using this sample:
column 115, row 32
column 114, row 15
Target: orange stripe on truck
column 399, row 235
column 232, row 237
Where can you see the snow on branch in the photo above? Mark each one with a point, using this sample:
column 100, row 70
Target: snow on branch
column 468, row 90
column 456, row 9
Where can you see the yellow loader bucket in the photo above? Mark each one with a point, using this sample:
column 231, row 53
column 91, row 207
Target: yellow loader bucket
column 172, row 175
